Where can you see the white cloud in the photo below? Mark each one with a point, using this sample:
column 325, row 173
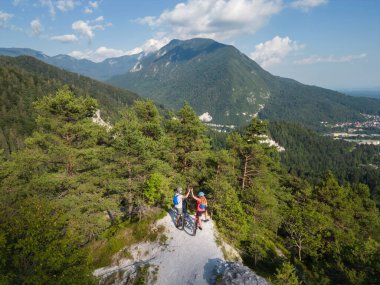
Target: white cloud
column 134, row 51
column 49, row 5
column 62, row 5
column 36, row 27
column 86, row 28
column 205, row 117
column 4, row 18
column 217, row 19
column 91, row 6
column 307, row 4
column 66, row 5
column 87, row 10
column 152, row 45
column 64, row 38
column 79, row 54
column 331, row 59
column 99, row 55
column 99, row 19
column 94, row 4
column 274, row 51
column 149, row 46
column 104, row 52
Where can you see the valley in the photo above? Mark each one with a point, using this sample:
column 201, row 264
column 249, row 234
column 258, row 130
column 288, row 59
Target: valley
column 364, row 132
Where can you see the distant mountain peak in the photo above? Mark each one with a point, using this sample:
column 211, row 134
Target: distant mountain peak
column 222, row 82
column 96, row 70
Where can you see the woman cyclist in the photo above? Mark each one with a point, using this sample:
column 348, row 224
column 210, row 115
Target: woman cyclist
column 201, row 207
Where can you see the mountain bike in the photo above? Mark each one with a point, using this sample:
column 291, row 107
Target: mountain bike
column 197, row 222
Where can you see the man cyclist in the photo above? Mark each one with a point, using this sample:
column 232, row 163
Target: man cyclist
column 178, row 203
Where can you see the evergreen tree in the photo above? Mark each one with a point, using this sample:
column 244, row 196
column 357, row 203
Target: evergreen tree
column 286, row 275
column 188, row 136
column 37, row 246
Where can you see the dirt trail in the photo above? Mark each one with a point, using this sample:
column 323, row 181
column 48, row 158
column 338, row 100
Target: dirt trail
column 187, row 259
column 183, row 259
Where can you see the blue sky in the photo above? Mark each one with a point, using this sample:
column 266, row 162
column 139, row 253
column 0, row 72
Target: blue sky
column 328, row 43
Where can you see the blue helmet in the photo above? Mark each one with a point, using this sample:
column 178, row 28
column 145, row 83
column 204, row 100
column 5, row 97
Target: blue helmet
column 201, row 194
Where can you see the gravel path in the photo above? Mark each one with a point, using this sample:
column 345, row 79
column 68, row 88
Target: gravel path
column 187, row 259
column 184, row 259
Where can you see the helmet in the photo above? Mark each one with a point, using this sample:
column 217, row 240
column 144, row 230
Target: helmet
column 178, row 189
column 201, row 194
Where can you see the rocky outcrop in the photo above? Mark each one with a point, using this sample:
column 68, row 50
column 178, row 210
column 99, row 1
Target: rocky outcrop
column 235, row 273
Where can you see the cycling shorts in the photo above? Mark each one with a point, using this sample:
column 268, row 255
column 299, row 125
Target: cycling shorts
column 178, row 210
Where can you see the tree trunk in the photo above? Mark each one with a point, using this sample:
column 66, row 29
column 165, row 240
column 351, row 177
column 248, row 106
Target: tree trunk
column 244, row 172
column 299, row 252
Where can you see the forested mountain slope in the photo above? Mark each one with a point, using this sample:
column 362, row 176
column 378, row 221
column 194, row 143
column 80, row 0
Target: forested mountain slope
column 78, row 193
column 25, row 79
column 232, row 88
column 218, row 79
column 310, row 155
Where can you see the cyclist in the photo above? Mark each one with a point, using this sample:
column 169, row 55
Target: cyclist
column 178, row 203
column 201, row 207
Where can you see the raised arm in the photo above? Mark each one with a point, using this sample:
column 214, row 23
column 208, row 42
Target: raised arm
column 192, row 194
column 187, row 194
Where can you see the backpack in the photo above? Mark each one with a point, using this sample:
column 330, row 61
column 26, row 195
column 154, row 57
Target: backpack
column 203, row 204
column 175, row 200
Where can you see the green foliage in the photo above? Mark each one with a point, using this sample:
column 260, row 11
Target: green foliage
column 79, row 191
column 189, row 143
column 228, row 210
column 286, row 275
column 24, row 80
column 157, row 190
column 310, row 155
column 38, row 246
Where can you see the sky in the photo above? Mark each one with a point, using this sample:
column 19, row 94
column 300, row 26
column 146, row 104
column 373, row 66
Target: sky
column 329, row 43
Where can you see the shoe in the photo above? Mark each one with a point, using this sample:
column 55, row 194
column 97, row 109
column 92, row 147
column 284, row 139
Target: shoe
column 206, row 220
column 200, row 227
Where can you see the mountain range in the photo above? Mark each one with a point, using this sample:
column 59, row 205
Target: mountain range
column 25, row 79
column 220, row 83
column 96, row 70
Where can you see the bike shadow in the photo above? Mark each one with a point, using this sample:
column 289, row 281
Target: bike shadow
column 173, row 215
column 189, row 224
column 189, row 221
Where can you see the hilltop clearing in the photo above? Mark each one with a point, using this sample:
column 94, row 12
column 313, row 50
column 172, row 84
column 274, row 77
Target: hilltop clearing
column 181, row 259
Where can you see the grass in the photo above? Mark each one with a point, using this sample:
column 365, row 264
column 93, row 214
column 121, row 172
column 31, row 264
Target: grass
column 122, row 236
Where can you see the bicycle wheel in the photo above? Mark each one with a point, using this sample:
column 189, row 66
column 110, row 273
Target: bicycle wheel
column 183, row 221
